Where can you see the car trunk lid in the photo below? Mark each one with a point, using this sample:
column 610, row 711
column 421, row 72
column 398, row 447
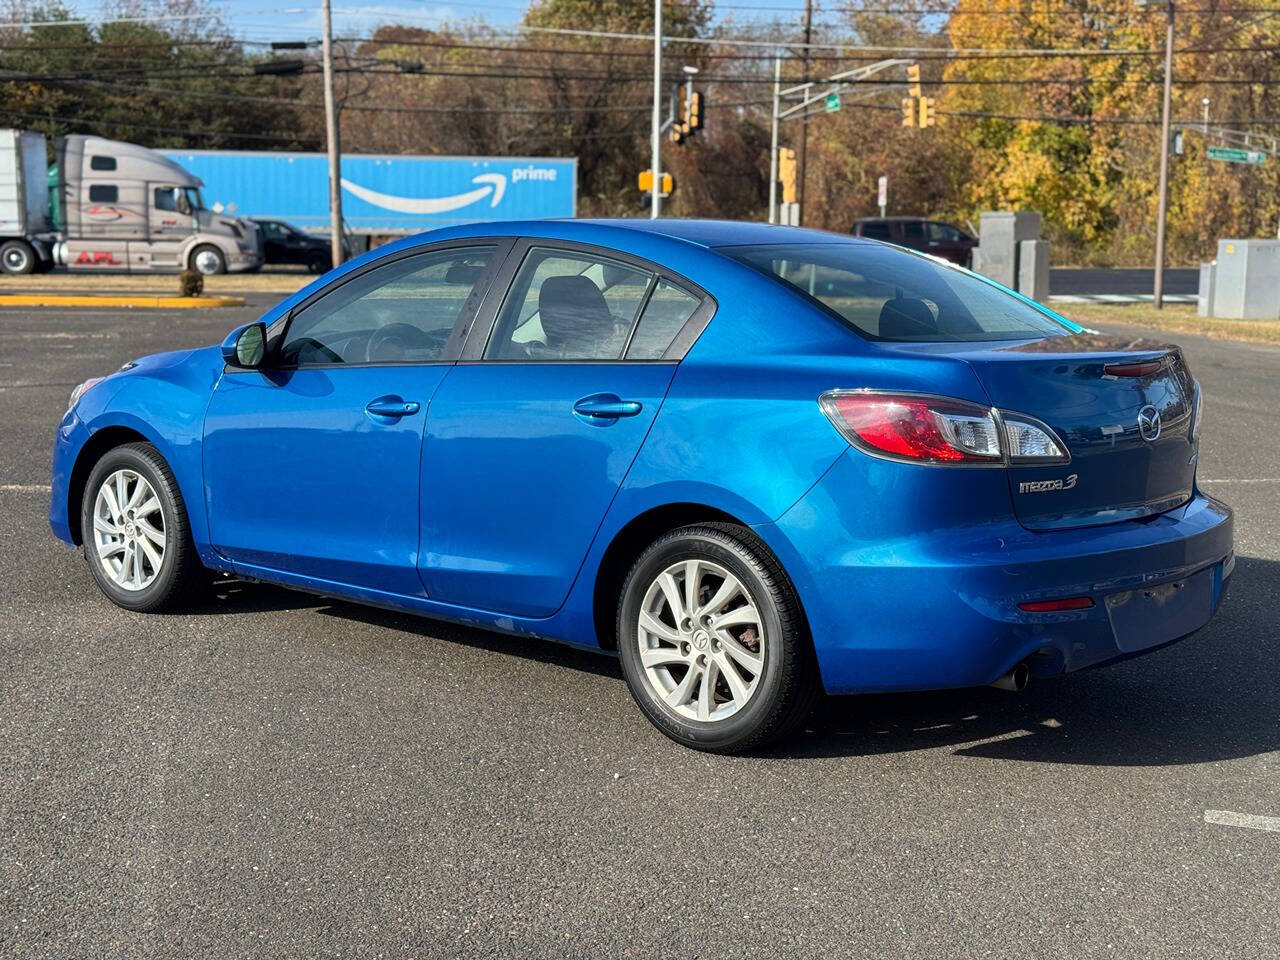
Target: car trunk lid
column 1123, row 408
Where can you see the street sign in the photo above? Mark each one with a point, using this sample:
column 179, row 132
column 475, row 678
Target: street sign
column 882, row 194
column 1234, row 155
column 832, row 103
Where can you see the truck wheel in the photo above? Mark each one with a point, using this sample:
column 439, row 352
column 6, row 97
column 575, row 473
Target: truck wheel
column 208, row 260
column 17, row 257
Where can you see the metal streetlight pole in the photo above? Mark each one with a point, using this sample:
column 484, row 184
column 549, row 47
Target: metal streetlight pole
column 773, row 143
column 1205, row 128
column 1163, row 204
column 332, row 138
column 655, row 207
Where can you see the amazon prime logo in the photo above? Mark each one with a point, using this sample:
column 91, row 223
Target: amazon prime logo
column 1149, row 423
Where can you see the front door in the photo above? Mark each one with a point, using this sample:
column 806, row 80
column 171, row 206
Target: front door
column 528, row 444
column 312, row 465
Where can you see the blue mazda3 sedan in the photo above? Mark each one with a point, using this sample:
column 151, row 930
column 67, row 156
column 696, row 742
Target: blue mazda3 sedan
column 757, row 462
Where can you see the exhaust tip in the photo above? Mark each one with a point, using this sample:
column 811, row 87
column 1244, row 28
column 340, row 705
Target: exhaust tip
column 1016, row 679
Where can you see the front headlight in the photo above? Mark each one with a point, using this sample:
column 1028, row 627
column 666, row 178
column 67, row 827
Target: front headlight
column 82, row 389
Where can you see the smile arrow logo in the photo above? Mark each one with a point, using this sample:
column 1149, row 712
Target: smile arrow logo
column 490, row 183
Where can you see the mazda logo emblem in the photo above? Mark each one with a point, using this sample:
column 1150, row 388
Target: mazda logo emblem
column 1149, row 423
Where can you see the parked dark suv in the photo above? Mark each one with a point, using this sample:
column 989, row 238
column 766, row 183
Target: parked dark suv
column 284, row 243
column 917, row 233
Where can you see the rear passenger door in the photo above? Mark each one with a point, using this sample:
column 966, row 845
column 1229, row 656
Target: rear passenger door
column 532, row 432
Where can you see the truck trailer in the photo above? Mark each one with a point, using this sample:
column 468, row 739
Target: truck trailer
column 105, row 205
column 384, row 195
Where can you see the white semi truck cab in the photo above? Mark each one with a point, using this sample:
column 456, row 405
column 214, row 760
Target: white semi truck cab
column 111, row 206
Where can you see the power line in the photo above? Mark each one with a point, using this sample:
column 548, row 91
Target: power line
column 98, row 121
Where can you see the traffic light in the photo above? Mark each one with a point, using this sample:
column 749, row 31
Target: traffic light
column 908, row 111
column 928, row 111
column 787, row 173
column 645, row 183
column 688, row 115
column 913, row 78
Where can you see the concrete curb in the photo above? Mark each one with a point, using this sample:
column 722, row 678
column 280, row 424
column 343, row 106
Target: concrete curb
column 127, row 300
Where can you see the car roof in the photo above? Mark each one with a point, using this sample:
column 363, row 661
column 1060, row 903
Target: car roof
column 703, row 233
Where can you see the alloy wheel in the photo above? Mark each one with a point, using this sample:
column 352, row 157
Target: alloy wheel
column 129, row 530
column 701, row 640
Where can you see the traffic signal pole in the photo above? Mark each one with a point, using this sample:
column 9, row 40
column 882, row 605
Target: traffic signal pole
column 655, row 207
column 1163, row 203
column 332, row 137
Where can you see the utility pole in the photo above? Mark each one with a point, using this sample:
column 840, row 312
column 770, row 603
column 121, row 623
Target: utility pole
column 331, row 135
column 1163, row 203
column 655, row 208
column 804, row 127
column 773, row 143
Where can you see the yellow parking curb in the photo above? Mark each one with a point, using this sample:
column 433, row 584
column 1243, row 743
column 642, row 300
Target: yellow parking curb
column 87, row 300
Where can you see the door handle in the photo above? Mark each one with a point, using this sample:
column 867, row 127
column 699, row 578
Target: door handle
column 606, row 406
column 392, row 408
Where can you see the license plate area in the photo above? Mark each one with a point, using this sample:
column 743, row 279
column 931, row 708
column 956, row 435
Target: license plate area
column 1149, row 616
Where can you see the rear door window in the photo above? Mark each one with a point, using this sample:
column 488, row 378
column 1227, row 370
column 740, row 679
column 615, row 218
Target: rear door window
column 565, row 305
column 666, row 313
column 912, row 232
column 875, row 231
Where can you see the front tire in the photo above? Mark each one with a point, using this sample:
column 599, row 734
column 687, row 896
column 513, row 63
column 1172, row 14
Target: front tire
column 208, row 260
column 712, row 640
column 136, row 537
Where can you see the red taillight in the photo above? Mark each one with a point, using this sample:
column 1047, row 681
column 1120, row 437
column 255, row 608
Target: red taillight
column 908, row 427
column 1055, row 606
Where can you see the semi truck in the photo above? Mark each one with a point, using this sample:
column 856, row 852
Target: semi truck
column 105, row 205
column 383, row 195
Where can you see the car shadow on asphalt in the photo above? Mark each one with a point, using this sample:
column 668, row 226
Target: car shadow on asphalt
column 233, row 596
column 1214, row 696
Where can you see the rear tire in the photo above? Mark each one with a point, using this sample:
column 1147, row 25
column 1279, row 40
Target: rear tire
column 745, row 620
column 18, row 256
column 137, row 540
column 319, row 264
column 208, row 260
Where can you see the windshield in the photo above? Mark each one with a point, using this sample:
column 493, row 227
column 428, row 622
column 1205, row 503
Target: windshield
column 889, row 294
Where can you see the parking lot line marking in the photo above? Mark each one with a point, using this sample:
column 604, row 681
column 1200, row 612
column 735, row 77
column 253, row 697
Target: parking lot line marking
column 1242, row 480
column 1247, row 820
column 25, row 488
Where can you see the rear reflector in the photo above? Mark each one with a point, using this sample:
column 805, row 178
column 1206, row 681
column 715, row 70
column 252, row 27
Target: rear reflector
column 1054, row 606
column 1142, row 368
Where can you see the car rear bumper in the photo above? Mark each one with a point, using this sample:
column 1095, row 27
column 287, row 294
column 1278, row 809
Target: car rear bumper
column 939, row 608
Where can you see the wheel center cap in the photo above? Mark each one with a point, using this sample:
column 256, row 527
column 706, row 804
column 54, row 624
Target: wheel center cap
column 130, row 530
column 701, row 640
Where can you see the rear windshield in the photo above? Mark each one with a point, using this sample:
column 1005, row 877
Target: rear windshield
column 889, row 294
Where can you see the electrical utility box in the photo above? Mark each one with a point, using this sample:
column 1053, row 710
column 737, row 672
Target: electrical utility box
column 1246, row 282
column 1000, row 234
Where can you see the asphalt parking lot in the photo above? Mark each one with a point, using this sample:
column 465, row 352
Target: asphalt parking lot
column 278, row 775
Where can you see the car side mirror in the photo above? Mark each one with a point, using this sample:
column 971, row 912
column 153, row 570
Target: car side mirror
column 246, row 346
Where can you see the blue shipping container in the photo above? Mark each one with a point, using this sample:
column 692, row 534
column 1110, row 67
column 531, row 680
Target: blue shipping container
column 385, row 194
